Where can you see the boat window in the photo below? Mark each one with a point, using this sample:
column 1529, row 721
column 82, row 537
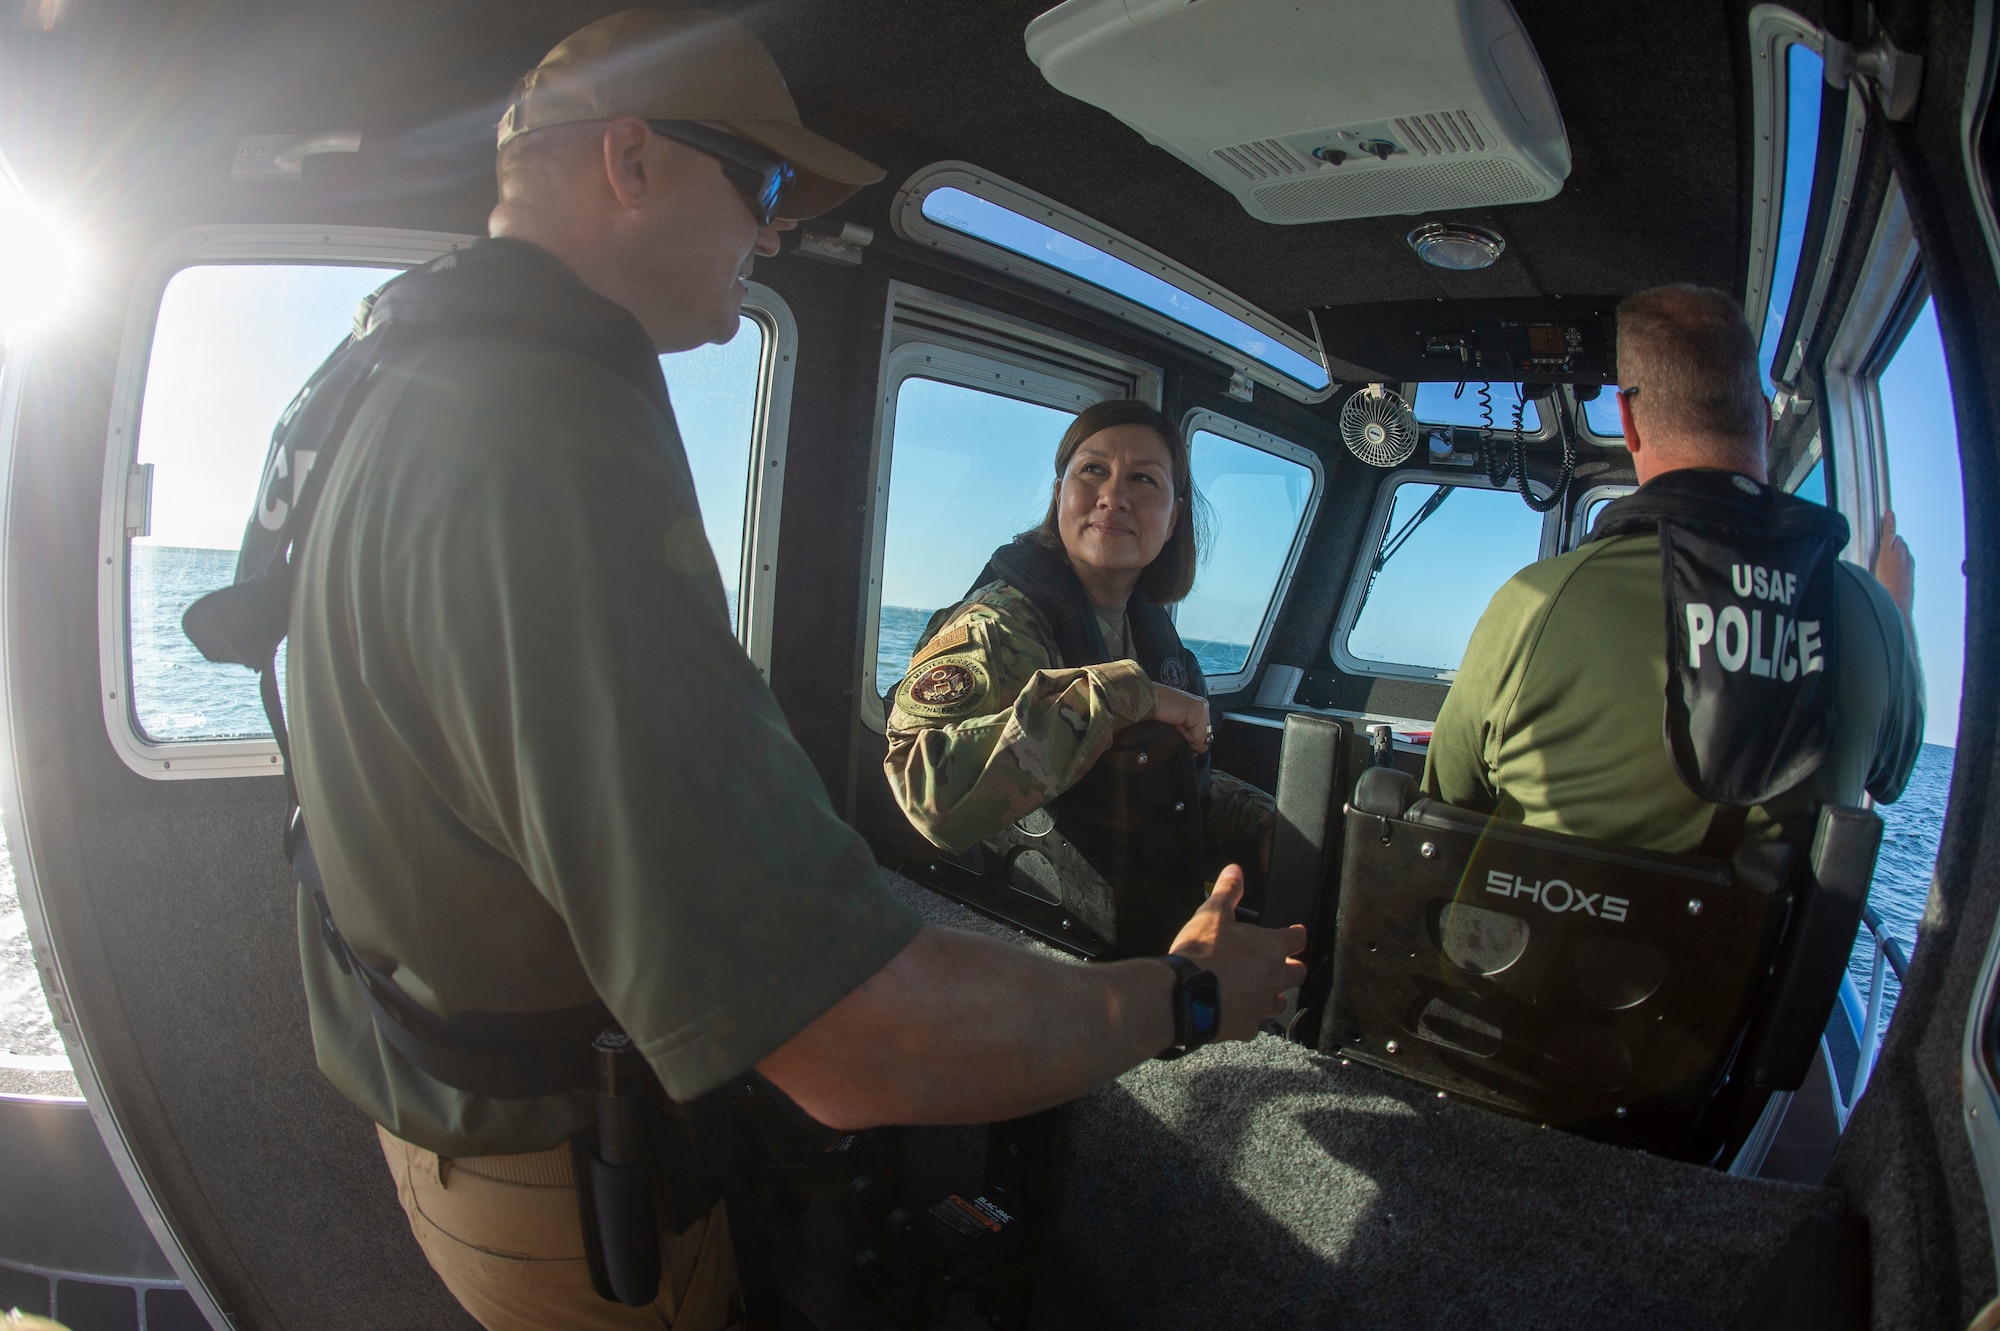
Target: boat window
column 1600, row 415
column 1001, row 225
column 1804, row 83
column 1436, row 554
column 714, row 392
column 1260, row 492
column 1454, row 404
column 230, row 345
column 973, row 404
column 971, row 468
column 1589, row 505
column 1925, row 491
column 1813, row 487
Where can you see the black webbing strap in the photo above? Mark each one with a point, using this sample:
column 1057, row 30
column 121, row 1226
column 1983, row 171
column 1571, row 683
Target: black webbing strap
column 509, row 1054
column 1725, row 831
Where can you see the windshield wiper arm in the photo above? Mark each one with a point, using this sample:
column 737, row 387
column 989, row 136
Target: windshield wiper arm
column 1393, row 544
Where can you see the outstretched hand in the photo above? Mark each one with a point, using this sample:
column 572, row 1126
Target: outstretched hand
column 1185, row 713
column 1895, row 566
column 1253, row 966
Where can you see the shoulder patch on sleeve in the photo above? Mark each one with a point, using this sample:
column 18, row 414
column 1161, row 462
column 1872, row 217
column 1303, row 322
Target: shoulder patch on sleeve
column 944, row 688
column 950, row 640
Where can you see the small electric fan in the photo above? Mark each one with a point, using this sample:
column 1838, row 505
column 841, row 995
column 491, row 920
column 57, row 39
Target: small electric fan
column 1377, row 427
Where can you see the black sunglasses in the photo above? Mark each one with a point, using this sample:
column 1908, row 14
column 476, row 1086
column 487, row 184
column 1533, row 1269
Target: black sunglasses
column 763, row 178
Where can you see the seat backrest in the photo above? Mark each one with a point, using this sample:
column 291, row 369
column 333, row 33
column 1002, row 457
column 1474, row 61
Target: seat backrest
column 1305, row 841
column 1591, row 986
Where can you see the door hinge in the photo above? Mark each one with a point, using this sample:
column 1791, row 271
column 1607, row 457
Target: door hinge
column 139, row 500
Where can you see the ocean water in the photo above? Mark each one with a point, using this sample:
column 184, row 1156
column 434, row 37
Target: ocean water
column 1910, row 832
column 178, row 695
column 901, row 626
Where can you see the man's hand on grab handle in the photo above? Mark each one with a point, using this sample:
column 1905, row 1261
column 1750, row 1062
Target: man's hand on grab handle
column 1253, row 966
column 1895, row 566
column 1185, row 713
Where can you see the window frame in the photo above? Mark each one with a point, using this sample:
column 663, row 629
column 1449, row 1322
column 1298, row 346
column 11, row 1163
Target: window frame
column 907, row 215
column 1202, row 418
column 178, row 760
column 1579, row 517
column 926, row 335
column 1378, row 522
column 1774, row 30
column 1888, row 292
column 1582, row 420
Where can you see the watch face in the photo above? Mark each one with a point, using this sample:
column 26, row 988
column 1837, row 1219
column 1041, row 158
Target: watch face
column 1205, row 1006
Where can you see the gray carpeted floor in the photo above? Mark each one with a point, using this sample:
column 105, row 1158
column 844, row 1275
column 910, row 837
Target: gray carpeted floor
column 1255, row 1185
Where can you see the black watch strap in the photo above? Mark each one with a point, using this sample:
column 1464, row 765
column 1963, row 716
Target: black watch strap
column 1196, row 1006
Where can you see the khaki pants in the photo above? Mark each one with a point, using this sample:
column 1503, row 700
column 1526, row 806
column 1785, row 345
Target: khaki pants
column 502, row 1232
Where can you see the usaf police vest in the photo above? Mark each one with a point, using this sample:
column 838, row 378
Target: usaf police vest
column 1751, row 628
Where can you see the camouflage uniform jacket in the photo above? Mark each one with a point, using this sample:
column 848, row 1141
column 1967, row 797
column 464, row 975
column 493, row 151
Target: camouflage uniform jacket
column 989, row 725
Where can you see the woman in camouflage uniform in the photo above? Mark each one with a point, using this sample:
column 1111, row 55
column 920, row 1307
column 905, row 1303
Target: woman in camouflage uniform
column 1016, row 691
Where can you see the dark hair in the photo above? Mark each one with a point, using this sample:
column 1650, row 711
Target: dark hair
column 1171, row 574
column 1689, row 360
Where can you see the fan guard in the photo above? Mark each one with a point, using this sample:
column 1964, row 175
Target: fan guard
column 1377, row 427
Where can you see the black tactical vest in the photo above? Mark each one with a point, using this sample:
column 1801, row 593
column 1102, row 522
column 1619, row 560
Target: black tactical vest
column 1751, row 628
column 1047, row 580
column 1119, row 854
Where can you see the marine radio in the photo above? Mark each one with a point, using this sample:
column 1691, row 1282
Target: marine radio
column 1558, row 339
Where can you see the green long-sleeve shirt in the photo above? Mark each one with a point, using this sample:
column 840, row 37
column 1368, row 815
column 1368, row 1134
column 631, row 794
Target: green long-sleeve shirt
column 1556, row 717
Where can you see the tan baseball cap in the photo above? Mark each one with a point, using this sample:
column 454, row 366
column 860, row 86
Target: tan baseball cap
column 686, row 64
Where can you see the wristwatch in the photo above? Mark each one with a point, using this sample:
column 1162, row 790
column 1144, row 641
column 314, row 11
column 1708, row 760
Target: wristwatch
column 1197, row 1002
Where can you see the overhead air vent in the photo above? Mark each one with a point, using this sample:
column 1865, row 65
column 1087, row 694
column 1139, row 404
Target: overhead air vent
column 1431, row 188
column 1316, row 112
column 1263, row 161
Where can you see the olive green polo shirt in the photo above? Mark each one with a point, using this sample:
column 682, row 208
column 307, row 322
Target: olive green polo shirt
column 536, row 765
column 1557, row 716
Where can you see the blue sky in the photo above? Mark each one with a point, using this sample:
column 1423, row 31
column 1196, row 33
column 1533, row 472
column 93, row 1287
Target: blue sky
column 971, row 468
column 234, row 342
column 1926, row 491
column 1024, row 236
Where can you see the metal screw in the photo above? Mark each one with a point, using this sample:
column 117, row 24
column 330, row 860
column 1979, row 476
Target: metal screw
column 1694, row 905
column 1066, row 926
column 1180, row 806
column 1142, row 760
column 1619, row 1111
column 1428, row 850
column 1391, row 1046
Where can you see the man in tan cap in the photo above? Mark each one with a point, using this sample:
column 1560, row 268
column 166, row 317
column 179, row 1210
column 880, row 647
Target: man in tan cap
column 546, row 791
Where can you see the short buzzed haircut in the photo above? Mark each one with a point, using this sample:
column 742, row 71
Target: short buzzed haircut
column 1689, row 360
column 530, row 164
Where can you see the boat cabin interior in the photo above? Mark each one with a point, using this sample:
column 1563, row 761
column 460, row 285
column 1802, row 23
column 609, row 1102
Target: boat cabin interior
column 1368, row 256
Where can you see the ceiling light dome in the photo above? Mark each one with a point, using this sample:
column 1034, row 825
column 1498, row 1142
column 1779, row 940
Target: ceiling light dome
column 1457, row 246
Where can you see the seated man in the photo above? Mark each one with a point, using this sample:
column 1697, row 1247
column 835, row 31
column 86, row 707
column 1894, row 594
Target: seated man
column 1789, row 678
